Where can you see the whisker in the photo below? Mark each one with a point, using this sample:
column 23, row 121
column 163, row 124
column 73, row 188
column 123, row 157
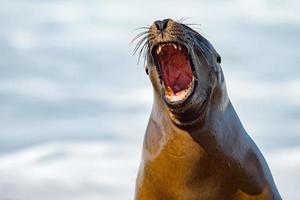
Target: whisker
column 145, row 45
column 141, row 28
column 140, row 42
column 192, row 24
column 139, row 35
column 145, row 53
column 138, row 45
column 183, row 19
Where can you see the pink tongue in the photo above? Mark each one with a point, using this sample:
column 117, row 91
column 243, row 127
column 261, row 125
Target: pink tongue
column 176, row 69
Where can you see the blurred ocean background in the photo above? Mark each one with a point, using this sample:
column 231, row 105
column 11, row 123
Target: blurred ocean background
column 74, row 104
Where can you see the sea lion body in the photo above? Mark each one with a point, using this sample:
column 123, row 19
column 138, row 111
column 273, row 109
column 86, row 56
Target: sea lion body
column 196, row 147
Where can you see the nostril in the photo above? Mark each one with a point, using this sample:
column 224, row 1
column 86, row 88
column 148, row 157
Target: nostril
column 165, row 23
column 161, row 25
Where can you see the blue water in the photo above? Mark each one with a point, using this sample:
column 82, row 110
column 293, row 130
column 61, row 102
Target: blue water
column 72, row 96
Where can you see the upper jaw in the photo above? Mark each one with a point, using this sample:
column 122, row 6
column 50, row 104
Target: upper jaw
column 156, row 48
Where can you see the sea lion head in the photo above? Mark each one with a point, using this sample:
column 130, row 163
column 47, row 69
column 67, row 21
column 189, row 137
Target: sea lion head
column 184, row 69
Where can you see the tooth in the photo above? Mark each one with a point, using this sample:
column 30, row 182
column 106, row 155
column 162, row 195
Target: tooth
column 169, row 91
column 159, row 49
column 179, row 47
column 174, row 45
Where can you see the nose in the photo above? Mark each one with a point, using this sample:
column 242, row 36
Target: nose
column 161, row 25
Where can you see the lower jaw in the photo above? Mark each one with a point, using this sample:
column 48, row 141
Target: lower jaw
column 176, row 103
column 180, row 98
column 188, row 111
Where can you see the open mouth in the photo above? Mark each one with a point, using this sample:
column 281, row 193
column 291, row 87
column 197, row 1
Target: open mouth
column 176, row 70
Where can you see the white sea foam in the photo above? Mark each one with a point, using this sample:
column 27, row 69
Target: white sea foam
column 285, row 166
column 92, row 170
column 97, row 170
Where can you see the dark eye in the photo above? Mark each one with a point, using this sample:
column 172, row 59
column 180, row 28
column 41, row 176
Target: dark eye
column 146, row 70
column 219, row 59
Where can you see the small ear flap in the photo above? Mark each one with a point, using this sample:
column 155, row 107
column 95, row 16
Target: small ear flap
column 219, row 59
column 146, row 70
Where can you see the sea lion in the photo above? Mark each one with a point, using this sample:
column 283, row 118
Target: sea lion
column 195, row 147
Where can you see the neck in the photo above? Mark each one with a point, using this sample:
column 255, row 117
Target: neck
column 220, row 121
column 219, row 142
